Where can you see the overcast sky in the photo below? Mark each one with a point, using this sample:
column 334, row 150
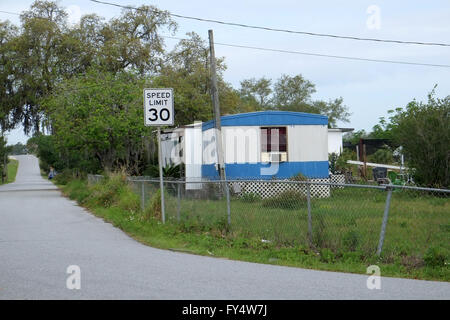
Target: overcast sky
column 369, row 89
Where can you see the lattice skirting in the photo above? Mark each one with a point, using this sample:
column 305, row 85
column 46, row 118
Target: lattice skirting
column 337, row 178
column 271, row 189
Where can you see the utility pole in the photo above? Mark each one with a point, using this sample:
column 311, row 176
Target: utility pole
column 216, row 106
column 218, row 129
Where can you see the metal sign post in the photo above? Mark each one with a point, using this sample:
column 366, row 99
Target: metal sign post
column 159, row 111
column 161, row 182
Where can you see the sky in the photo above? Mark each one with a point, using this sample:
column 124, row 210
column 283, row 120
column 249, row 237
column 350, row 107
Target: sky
column 369, row 89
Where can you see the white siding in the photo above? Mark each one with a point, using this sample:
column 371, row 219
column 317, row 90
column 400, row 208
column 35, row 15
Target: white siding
column 240, row 145
column 335, row 142
column 193, row 156
column 209, row 147
column 307, row 143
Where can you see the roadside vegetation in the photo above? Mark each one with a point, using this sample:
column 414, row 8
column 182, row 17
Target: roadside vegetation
column 12, row 171
column 352, row 240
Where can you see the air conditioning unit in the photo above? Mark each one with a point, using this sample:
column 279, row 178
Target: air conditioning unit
column 273, row 156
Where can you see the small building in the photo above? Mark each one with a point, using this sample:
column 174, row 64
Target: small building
column 335, row 135
column 257, row 145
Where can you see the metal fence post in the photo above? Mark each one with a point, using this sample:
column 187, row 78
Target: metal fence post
column 385, row 220
column 142, row 196
column 308, row 199
column 227, row 190
column 178, row 201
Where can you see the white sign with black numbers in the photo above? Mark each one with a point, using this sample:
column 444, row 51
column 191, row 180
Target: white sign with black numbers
column 158, row 107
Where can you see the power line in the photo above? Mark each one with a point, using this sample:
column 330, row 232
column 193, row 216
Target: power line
column 14, row 13
column 281, row 30
column 293, row 52
column 322, row 55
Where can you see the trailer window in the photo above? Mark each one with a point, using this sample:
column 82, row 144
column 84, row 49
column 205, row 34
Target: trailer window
column 273, row 139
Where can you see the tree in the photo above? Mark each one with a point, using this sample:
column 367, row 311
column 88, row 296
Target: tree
column 354, row 137
column 97, row 121
column 186, row 70
column 8, row 91
column 423, row 131
column 290, row 94
column 37, row 65
column 4, row 151
column 257, row 92
column 48, row 51
column 293, row 93
column 18, row 149
column 333, row 109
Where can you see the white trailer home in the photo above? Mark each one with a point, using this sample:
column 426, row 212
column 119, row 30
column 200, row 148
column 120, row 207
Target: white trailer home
column 257, row 145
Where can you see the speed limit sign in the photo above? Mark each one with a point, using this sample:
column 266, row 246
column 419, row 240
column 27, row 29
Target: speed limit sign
column 158, row 107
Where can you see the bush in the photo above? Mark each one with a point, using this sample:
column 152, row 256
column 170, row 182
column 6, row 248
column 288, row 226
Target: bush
column 153, row 209
column 423, row 131
column 67, row 175
column 250, row 197
column 434, row 257
column 289, row 199
column 107, row 192
column 326, row 255
column 351, row 240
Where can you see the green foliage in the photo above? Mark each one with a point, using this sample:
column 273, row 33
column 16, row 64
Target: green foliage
column 104, row 127
column 107, row 192
column 19, row 149
column 351, row 240
column 435, row 257
column 153, row 208
column 4, row 151
column 423, row 131
column 383, row 156
column 290, row 93
column 326, row 255
column 67, row 175
column 169, row 171
column 332, row 159
column 338, row 163
column 289, row 199
column 256, row 93
column 45, row 50
column 250, row 197
column 45, row 149
column 354, row 137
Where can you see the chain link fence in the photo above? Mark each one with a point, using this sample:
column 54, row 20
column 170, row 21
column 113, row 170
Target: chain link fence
column 397, row 221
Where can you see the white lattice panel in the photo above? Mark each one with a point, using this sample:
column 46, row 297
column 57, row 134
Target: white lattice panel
column 271, row 189
column 337, row 178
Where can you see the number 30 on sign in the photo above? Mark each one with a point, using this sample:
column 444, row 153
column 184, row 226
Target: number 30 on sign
column 158, row 107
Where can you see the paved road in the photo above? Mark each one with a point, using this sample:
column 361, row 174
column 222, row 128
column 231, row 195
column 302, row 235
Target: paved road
column 42, row 233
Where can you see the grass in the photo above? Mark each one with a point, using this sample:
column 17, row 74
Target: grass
column 345, row 227
column 12, row 170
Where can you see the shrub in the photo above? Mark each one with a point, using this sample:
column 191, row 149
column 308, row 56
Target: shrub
column 68, row 175
column 250, row 197
column 289, row 199
column 107, row 191
column 351, row 240
column 153, row 209
column 434, row 257
column 326, row 255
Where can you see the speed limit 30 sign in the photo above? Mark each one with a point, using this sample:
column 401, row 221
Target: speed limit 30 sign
column 158, row 107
